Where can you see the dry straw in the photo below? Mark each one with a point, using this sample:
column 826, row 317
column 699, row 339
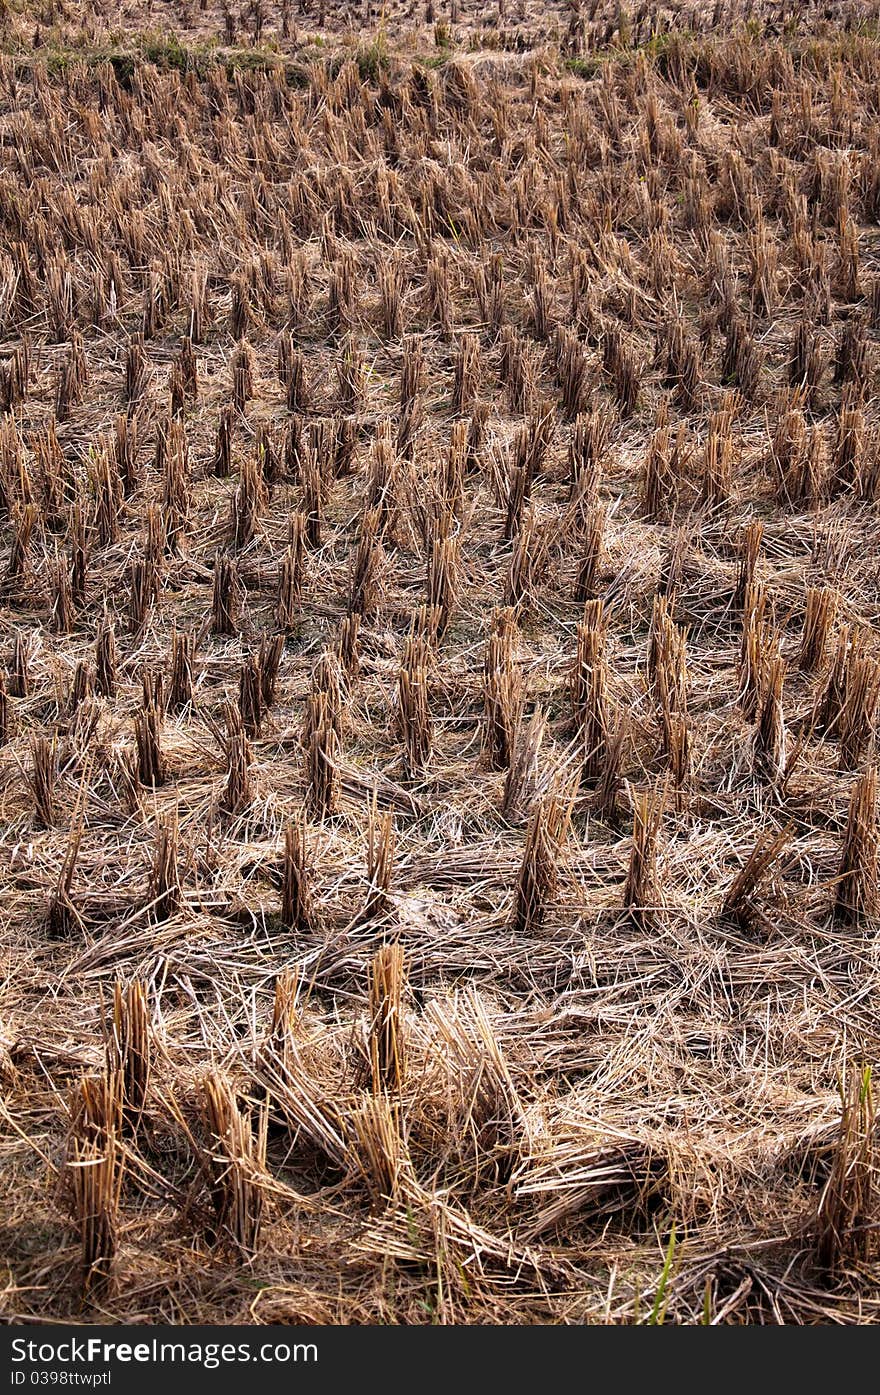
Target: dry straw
column 438, row 506
column 234, row 1161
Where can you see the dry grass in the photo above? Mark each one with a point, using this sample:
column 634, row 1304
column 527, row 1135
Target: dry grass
column 439, row 663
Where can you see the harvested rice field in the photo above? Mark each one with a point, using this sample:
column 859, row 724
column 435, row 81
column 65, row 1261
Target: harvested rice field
column 439, row 662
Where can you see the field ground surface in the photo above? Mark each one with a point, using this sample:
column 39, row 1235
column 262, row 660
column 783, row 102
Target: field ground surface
column 440, row 659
